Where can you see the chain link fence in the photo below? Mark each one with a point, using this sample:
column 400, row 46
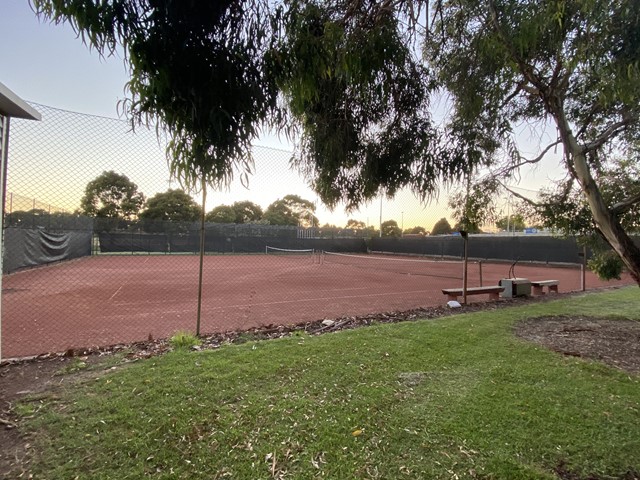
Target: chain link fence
column 101, row 247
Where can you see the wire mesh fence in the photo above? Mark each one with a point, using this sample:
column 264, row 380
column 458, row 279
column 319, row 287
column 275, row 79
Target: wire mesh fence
column 101, row 246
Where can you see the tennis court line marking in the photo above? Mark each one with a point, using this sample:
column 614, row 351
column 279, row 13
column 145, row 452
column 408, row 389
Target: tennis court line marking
column 315, row 299
column 116, row 292
column 123, row 284
column 282, row 302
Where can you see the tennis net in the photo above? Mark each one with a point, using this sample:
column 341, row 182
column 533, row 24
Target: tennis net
column 400, row 265
column 288, row 251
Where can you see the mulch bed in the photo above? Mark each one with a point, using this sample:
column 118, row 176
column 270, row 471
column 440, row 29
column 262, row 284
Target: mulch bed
column 615, row 342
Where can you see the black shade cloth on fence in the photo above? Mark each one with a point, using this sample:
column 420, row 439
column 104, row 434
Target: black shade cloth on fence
column 30, row 247
column 112, row 242
column 545, row 249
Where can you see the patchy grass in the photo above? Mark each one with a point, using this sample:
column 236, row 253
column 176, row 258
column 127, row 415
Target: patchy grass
column 184, row 340
column 458, row 397
column 76, row 365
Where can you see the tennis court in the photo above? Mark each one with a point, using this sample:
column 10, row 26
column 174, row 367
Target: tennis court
column 105, row 300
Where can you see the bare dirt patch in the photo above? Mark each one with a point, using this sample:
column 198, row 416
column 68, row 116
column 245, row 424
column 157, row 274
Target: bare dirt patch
column 16, row 381
column 615, row 342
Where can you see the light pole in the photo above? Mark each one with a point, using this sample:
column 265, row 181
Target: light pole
column 380, row 214
column 402, row 226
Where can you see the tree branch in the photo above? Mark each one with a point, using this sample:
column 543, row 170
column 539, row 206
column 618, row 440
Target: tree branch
column 521, row 197
column 514, row 94
column 528, row 161
column 525, row 68
column 610, row 132
column 625, row 204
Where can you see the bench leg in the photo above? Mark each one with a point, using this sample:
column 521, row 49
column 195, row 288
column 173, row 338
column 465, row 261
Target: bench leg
column 450, row 296
column 553, row 288
column 537, row 290
column 494, row 296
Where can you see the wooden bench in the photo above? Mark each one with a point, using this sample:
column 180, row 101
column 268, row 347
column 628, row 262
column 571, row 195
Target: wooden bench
column 493, row 291
column 538, row 286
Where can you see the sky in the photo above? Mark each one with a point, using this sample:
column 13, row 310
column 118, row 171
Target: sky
column 47, row 64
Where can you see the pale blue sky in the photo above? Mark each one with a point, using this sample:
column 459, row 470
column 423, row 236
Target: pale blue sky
column 47, row 64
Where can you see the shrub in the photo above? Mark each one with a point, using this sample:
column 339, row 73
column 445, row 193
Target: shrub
column 184, row 340
column 607, row 265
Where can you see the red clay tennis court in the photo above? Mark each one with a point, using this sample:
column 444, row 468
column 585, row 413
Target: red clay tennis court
column 105, row 300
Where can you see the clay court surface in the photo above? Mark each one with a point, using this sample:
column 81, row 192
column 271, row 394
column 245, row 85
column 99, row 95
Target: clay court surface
column 106, row 300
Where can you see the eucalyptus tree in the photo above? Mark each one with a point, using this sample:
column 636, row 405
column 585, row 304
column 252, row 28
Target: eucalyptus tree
column 221, row 214
column 573, row 66
column 442, row 227
column 390, row 228
column 200, row 69
column 358, row 95
column 170, row 211
column 112, row 195
column 291, row 210
column 246, row 212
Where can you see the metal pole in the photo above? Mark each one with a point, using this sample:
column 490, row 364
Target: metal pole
column 583, row 268
column 380, row 214
column 508, row 212
column 4, row 156
column 402, row 228
column 465, row 236
column 204, row 199
column 480, row 266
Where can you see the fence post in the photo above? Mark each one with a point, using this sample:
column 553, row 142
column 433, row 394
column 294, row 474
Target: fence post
column 583, row 269
column 204, row 199
column 465, row 236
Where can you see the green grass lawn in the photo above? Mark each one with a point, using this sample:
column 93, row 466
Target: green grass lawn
column 458, row 397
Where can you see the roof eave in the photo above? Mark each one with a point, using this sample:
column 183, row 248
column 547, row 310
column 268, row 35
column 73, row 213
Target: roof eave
column 13, row 106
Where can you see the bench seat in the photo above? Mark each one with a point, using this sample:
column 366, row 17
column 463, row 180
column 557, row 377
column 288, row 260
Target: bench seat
column 493, row 291
column 538, row 286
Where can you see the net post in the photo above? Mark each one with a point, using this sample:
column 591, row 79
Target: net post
column 480, row 268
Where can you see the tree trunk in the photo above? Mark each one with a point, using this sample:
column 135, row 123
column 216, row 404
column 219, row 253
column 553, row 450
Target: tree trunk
column 606, row 222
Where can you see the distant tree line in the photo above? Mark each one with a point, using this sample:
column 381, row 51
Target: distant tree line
column 116, row 203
